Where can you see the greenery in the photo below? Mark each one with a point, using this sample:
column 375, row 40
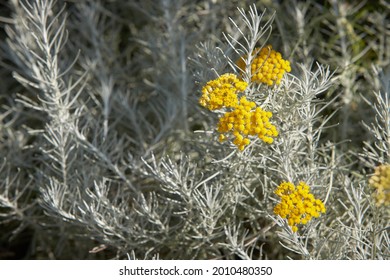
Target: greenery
column 188, row 129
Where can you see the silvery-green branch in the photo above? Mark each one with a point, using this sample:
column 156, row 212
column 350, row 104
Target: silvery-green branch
column 194, row 129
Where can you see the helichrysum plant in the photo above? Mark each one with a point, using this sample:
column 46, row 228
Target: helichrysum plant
column 242, row 117
column 297, row 204
column 222, row 92
column 380, row 181
column 194, row 130
column 267, row 66
column 246, row 111
column 247, row 120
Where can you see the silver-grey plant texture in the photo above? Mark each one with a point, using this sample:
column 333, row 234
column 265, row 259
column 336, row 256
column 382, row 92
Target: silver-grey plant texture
column 187, row 129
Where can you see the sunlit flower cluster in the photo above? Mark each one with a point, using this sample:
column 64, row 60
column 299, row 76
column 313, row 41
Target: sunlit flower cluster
column 245, row 120
column 222, row 92
column 242, row 117
column 381, row 182
column 297, row 204
column 268, row 66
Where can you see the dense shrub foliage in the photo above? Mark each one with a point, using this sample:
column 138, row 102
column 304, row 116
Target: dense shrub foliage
column 194, row 129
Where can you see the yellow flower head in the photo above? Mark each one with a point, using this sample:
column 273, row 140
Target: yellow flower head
column 222, row 92
column 247, row 120
column 268, row 67
column 381, row 182
column 297, row 204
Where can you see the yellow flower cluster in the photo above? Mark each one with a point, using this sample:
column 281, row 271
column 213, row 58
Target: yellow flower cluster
column 222, row 92
column 245, row 120
column 297, row 204
column 381, row 182
column 268, row 67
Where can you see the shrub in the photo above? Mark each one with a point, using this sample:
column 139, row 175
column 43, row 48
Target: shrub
column 160, row 129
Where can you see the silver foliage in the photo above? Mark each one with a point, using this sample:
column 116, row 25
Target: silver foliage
column 105, row 152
